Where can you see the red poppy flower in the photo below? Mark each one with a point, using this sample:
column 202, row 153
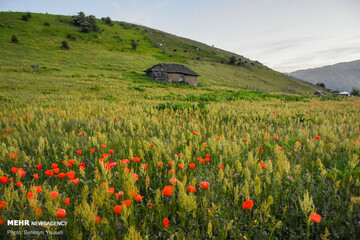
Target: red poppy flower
column 170, row 163
column 248, row 204
column 205, row 144
column 67, row 201
column 221, row 167
column 56, row 170
column 144, row 166
column 75, row 181
column 81, row 165
column 317, row 137
column 204, row 185
column 36, row 176
column 2, row 205
column 201, row 160
column 38, row 167
column 298, row 143
column 54, row 195
column 119, row 194
column 12, row 156
column 194, row 132
column 98, row 219
column 79, row 152
column 167, row 190
column 125, row 161
column 192, row 165
column 173, row 181
column 266, row 138
column 261, row 150
column 151, row 144
column 71, row 175
column 111, row 151
column 181, row 166
column 3, row 179
column 329, row 144
column 262, row 165
column 166, row 223
column 245, row 140
column 117, row 209
column 314, row 217
column 19, row 184
column 159, row 164
column 191, row 188
column 207, row 155
column 280, row 148
column 14, row 169
column 135, row 176
column 38, row 189
column 138, row 198
column 61, row 175
column 103, row 146
column 61, row 213
column 38, row 211
column 111, row 190
column 276, row 137
column 54, row 165
column 1, row 221
column 135, row 159
column 92, row 150
column 150, row 205
column 127, row 203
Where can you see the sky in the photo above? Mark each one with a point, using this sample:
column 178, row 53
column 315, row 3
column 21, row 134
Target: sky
column 285, row 35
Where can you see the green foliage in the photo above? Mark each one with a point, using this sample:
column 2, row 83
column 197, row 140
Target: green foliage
column 134, row 44
column 110, row 98
column 107, row 20
column 71, row 37
column 64, row 45
column 47, row 24
column 355, row 92
column 87, row 23
column 137, row 88
column 97, row 88
column 232, row 60
column 14, row 39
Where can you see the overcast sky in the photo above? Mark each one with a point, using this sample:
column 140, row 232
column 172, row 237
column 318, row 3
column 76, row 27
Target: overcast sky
column 285, row 35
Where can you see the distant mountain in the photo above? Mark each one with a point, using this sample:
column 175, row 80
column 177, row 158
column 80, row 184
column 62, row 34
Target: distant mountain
column 340, row 76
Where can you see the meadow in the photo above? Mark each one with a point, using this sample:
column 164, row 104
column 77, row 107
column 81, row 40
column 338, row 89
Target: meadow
column 88, row 139
column 140, row 171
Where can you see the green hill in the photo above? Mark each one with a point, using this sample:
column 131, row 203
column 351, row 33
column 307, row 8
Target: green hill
column 106, row 60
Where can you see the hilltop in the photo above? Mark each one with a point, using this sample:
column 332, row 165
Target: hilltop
column 340, row 76
column 106, row 60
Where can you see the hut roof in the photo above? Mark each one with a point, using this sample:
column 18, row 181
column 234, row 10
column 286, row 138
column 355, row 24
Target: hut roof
column 172, row 68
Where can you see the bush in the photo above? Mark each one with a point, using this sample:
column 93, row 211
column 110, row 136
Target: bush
column 87, row 23
column 107, row 20
column 64, row 45
column 25, row 18
column 71, row 37
column 232, row 60
column 47, row 24
column 355, row 92
column 14, row 39
column 133, row 44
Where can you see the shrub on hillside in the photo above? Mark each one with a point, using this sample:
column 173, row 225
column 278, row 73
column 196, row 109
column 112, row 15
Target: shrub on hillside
column 107, row 20
column 133, row 44
column 25, row 17
column 64, row 45
column 71, row 37
column 14, row 39
column 355, row 92
column 47, row 24
column 232, row 60
column 87, row 23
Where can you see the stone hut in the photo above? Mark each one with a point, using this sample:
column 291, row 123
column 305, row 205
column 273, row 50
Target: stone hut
column 172, row 73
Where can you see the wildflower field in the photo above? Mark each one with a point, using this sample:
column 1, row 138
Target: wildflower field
column 227, row 170
column 88, row 140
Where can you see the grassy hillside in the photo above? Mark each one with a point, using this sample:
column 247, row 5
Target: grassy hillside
column 107, row 57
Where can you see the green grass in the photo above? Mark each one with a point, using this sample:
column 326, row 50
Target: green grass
column 106, row 58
